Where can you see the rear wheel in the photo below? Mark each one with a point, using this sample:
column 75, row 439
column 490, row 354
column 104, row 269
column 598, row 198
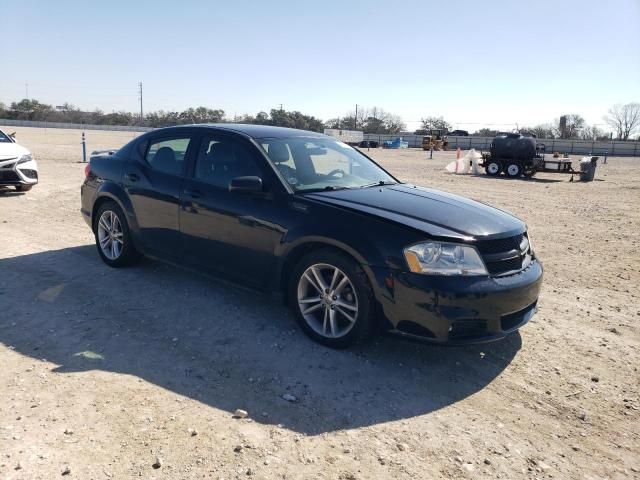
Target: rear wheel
column 113, row 238
column 23, row 188
column 493, row 168
column 331, row 299
column 513, row 170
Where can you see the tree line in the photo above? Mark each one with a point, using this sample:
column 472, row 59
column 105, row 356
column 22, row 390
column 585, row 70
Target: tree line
column 624, row 120
column 374, row 120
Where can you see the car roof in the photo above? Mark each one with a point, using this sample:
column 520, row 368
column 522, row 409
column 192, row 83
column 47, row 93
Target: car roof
column 260, row 131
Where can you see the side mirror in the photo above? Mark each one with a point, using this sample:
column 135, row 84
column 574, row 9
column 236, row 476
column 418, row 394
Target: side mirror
column 13, row 135
column 246, row 185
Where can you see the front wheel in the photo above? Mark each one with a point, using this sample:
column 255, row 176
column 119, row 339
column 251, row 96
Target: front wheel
column 513, row 170
column 493, row 168
column 23, row 188
column 331, row 299
column 113, row 237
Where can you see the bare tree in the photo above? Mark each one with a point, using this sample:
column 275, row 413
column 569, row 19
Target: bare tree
column 540, row 131
column 624, row 119
column 593, row 133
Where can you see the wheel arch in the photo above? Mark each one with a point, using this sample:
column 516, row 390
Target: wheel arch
column 302, row 247
column 111, row 192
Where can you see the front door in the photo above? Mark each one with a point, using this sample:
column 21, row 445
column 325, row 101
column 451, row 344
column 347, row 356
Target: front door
column 230, row 232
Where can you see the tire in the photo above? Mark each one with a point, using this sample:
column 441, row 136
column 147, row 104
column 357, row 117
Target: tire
column 513, row 170
column 23, row 188
column 108, row 213
column 493, row 168
column 529, row 173
column 352, row 307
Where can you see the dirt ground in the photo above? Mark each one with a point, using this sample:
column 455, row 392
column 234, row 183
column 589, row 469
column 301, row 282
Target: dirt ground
column 103, row 370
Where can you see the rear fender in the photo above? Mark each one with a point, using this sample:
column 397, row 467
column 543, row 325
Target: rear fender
column 115, row 192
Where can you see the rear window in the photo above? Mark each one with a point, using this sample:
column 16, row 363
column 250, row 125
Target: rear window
column 167, row 155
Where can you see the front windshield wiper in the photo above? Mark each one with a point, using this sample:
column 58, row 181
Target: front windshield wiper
column 328, row 188
column 379, row 183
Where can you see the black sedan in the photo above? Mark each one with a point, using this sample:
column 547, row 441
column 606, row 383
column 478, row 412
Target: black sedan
column 350, row 248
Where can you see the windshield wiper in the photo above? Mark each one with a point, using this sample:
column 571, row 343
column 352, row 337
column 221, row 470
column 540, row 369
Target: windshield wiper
column 379, row 183
column 328, row 188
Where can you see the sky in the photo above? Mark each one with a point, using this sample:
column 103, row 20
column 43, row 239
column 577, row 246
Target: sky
column 476, row 63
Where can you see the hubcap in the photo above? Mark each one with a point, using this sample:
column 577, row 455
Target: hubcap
column 493, row 168
column 513, row 170
column 110, row 235
column 327, row 300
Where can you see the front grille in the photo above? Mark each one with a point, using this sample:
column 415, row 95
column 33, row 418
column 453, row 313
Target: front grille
column 8, row 165
column 500, row 245
column 503, row 255
column 9, row 176
column 27, row 172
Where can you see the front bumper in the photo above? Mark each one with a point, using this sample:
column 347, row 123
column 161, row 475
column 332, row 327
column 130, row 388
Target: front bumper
column 448, row 309
column 14, row 173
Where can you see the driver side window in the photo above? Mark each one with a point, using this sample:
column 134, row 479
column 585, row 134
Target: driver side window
column 221, row 159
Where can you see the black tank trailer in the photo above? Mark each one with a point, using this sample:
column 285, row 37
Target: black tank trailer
column 515, row 155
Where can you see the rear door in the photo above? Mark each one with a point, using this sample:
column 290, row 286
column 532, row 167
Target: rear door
column 232, row 233
column 153, row 181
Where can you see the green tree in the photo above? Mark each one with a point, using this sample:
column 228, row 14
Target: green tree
column 433, row 123
column 485, row 132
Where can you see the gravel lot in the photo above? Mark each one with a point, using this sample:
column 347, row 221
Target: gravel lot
column 103, row 370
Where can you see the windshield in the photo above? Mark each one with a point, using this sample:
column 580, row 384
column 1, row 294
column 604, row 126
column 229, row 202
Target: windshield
column 4, row 138
column 322, row 164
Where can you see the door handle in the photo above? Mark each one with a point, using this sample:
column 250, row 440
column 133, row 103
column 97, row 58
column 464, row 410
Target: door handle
column 189, row 192
column 132, row 177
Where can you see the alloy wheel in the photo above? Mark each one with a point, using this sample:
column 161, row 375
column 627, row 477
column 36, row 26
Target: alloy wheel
column 110, row 235
column 327, row 300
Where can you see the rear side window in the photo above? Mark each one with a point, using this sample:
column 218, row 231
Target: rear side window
column 168, row 155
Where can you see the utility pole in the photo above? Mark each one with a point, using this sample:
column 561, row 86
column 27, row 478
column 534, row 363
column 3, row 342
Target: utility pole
column 280, row 108
column 140, row 96
column 355, row 119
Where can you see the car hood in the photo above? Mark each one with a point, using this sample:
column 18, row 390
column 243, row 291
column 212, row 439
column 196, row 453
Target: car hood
column 11, row 150
column 434, row 212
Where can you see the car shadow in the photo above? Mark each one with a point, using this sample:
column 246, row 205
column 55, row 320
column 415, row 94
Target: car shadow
column 224, row 346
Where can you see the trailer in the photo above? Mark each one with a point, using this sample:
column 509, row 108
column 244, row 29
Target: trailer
column 515, row 155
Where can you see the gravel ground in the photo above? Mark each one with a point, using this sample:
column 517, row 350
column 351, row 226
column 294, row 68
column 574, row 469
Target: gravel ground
column 137, row 373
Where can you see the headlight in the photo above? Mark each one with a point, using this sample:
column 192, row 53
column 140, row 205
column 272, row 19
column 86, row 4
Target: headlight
column 436, row 258
column 25, row 158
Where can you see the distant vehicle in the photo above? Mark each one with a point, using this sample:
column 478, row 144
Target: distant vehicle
column 369, row 144
column 517, row 155
column 436, row 140
column 397, row 143
column 458, row 133
column 301, row 214
column 17, row 167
